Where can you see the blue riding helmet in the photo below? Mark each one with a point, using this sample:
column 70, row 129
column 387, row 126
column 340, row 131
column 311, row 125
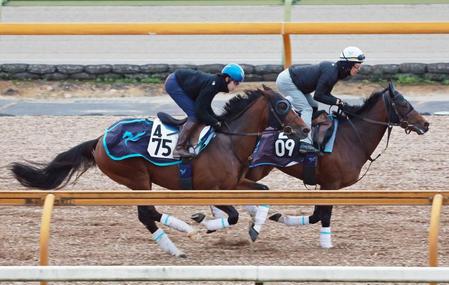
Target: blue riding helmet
column 234, row 71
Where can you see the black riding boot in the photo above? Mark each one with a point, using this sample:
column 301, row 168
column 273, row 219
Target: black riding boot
column 181, row 149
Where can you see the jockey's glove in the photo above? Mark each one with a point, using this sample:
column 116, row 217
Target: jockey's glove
column 342, row 104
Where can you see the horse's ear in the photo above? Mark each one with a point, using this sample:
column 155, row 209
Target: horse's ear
column 266, row 88
column 391, row 88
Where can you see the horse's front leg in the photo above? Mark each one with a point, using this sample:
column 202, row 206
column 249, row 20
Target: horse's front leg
column 220, row 220
column 259, row 213
column 321, row 213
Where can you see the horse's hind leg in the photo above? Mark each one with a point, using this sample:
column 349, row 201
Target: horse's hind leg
column 148, row 215
column 134, row 174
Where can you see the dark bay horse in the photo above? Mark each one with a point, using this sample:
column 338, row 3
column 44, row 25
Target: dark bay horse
column 220, row 166
column 359, row 133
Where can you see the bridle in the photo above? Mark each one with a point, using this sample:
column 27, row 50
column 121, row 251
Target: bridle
column 391, row 100
column 278, row 113
column 395, row 118
column 278, row 108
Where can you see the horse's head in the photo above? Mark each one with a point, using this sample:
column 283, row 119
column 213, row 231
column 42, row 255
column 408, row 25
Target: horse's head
column 282, row 115
column 401, row 112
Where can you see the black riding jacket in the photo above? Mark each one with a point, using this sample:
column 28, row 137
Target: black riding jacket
column 320, row 78
column 202, row 88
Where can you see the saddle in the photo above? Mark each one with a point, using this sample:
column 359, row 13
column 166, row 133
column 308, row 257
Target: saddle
column 322, row 129
column 152, row 139
column 170, row 120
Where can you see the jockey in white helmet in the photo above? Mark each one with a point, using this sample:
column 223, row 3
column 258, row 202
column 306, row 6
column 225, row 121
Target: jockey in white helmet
column 299, row 81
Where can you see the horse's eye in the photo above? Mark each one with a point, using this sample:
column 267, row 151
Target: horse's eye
column 282, row 106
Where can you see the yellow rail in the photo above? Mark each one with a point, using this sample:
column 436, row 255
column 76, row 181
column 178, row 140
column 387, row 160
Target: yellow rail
column 222, row 28
column 206, row 197
column 230, row 197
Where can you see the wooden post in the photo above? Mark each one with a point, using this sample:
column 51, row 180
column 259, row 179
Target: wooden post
column 434, row 230
column 45, row 230
column 287, row 55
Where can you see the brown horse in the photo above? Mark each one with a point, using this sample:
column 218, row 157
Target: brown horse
column 220, row 166
column 360, row 130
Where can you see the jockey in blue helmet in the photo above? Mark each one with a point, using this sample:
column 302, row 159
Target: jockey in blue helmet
column 234, row 71
column 193, row 91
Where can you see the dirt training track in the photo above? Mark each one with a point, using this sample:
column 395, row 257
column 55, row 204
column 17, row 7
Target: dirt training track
column 390, row 236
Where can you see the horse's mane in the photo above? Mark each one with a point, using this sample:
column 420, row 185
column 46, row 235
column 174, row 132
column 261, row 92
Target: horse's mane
column 239, row 103
column 367, row 104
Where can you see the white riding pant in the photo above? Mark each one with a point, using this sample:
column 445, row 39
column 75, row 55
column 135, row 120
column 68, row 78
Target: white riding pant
column 300, row 101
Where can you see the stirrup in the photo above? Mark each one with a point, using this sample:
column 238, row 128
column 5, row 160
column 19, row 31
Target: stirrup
column 307, row 148
column 182, row 153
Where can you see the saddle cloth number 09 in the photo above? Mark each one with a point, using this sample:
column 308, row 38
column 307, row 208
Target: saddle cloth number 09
column 283, row 146
column 163, row 140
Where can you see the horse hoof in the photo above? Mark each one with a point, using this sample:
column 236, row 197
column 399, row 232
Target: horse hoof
column 253, row 234
column 198, row 217
column 210, row 231
column 261, row 186
column 275, row 217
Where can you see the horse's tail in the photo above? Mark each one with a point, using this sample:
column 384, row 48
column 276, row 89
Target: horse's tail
column 59, row 171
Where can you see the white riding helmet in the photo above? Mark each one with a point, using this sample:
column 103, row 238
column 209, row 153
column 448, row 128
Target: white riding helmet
column 353, row 54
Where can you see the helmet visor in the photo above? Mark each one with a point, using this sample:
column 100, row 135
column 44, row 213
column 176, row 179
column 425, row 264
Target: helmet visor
column 359, row 58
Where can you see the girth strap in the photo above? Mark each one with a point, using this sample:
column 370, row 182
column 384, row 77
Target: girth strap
column 185, row 174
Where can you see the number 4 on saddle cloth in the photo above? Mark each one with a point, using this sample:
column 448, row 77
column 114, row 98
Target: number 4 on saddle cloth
column 154, row 141
column 276, row 149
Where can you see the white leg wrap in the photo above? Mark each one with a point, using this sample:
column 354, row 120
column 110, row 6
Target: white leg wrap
column 176, row 224
column 251, row 209
column 326, row 237
column 161, row 238
column 261, row 217
column 217, row 213
column 215, row 224
column 294, row 220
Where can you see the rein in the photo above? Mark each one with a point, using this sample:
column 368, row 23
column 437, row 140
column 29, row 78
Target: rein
column 390, row 105
column 286, row 129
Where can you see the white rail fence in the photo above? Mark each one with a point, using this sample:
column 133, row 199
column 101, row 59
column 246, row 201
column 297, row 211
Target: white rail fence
column 225, row 273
